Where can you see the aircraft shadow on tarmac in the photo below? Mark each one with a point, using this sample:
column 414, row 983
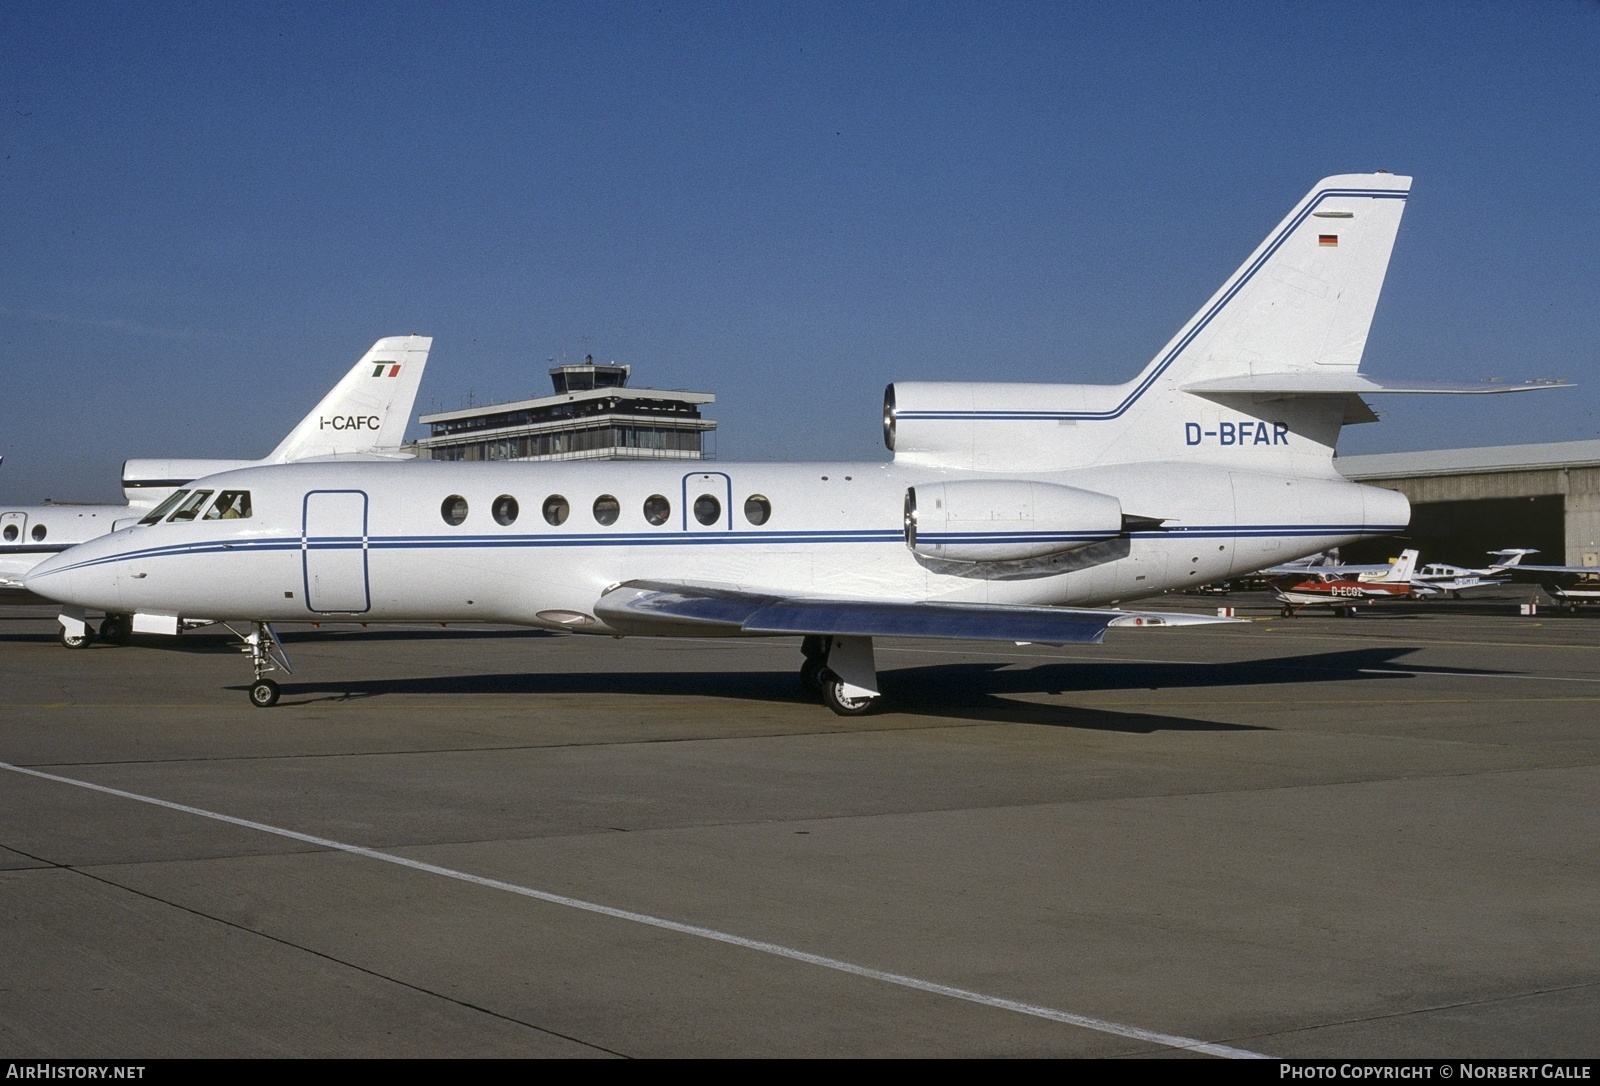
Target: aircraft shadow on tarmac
column 983, row 691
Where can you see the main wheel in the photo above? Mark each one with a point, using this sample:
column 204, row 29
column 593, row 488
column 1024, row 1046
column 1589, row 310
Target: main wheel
column 811, row 673
column 264, row 694
column 116, row 630
column 834, row 697
column 76, row 641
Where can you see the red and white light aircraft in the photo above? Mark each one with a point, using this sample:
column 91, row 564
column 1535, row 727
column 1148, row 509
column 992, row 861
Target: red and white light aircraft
column 1344, row 588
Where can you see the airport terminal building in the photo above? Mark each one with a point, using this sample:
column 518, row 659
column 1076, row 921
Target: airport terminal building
column 593, row 415
column 1466, row 502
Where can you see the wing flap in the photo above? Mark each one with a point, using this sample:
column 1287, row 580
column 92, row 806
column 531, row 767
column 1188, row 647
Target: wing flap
column 644, row 607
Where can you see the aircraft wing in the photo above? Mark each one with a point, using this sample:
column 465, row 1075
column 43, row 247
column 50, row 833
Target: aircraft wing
column 654, row 607
column 1548, row 573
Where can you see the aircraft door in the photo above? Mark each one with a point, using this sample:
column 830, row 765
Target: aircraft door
column 333, row 549
column 13, row 527
column 707, row 502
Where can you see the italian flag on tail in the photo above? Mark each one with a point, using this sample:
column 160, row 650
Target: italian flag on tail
column 386, row 369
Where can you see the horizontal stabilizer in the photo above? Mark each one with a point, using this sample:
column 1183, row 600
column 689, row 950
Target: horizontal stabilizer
column 645, row 607
column 1351, row 383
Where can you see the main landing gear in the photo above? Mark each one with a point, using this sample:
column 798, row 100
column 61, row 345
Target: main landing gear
column 840, row 671
column 266, row 654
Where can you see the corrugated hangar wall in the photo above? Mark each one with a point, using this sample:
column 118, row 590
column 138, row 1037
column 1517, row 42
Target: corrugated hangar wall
column 1466, row 502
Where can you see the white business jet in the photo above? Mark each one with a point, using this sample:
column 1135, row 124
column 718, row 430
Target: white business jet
column 366, row 413
column 1012, row 512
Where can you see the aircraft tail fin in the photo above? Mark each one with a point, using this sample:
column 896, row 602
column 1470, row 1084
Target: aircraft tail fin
column 1511, row 556
column 1262, row 376
column 1400, row 572
column 1303, row 302
column 369, row 409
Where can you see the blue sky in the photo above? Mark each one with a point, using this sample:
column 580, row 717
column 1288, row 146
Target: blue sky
column 209, row 211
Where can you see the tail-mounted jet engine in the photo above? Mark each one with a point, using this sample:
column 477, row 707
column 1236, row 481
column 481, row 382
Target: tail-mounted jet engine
column 1005, row 520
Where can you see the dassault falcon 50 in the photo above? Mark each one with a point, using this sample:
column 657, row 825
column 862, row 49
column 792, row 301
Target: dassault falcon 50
column 1015, row 512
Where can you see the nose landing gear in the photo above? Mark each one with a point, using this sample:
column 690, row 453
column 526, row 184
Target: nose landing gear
column 266, row 654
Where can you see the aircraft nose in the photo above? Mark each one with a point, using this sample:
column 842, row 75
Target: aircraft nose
column 69, row 577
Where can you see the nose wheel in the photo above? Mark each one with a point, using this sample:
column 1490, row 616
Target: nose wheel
column 266, row 654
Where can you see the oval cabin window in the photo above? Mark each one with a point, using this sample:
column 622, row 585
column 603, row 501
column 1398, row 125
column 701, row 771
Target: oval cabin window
column 757, row 509
column 707, row 510
column 657, row 509
column 607, row 509
column 505, row 509
column 556, row 510
column 453, row 509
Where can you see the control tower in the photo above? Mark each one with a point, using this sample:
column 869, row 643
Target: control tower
column 593, row 415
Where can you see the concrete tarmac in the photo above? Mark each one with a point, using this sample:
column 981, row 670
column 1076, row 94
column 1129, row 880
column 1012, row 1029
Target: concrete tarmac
column 1316, row 837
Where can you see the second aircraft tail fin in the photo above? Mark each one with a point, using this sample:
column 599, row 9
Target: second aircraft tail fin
column 368, row 410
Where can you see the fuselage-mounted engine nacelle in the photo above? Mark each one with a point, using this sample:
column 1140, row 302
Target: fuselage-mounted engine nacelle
column 1006, row 520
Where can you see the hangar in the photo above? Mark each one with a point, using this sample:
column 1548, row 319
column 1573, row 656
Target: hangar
column 1465, row 502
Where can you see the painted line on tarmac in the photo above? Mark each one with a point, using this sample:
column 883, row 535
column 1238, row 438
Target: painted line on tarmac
column 1098, row 1025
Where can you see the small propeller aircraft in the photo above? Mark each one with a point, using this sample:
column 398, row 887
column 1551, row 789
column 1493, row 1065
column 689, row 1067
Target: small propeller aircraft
column 1343, row 588
column 1011, row 512
column 1569, row 586
column 1437, row 578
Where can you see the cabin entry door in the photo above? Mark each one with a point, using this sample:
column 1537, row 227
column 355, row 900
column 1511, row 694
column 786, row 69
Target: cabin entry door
column 333, row 549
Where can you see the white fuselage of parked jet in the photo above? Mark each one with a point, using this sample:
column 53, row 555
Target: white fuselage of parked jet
column 374, row 540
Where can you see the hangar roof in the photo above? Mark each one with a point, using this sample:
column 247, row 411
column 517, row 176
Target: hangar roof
column 1551, row 454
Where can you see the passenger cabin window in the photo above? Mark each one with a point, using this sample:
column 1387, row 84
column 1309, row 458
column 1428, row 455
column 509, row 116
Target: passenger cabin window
column 230, row 505
column 165, row 507
column 39, row 532
column 757, row 509
column 505, row 510
column 657, row 509
column 707, row 510
column 11, row 533
column 191, row 507
column 607, row 509
column 453, row 509
column 556, row 510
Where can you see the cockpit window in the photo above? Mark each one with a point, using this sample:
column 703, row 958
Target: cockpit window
column 165, row 507
column 190, row 508
column 230, row 505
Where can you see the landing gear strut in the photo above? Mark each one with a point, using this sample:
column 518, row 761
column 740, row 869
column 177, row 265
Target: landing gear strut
column 266, row 654
column 815, row 650
column 841, row 671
